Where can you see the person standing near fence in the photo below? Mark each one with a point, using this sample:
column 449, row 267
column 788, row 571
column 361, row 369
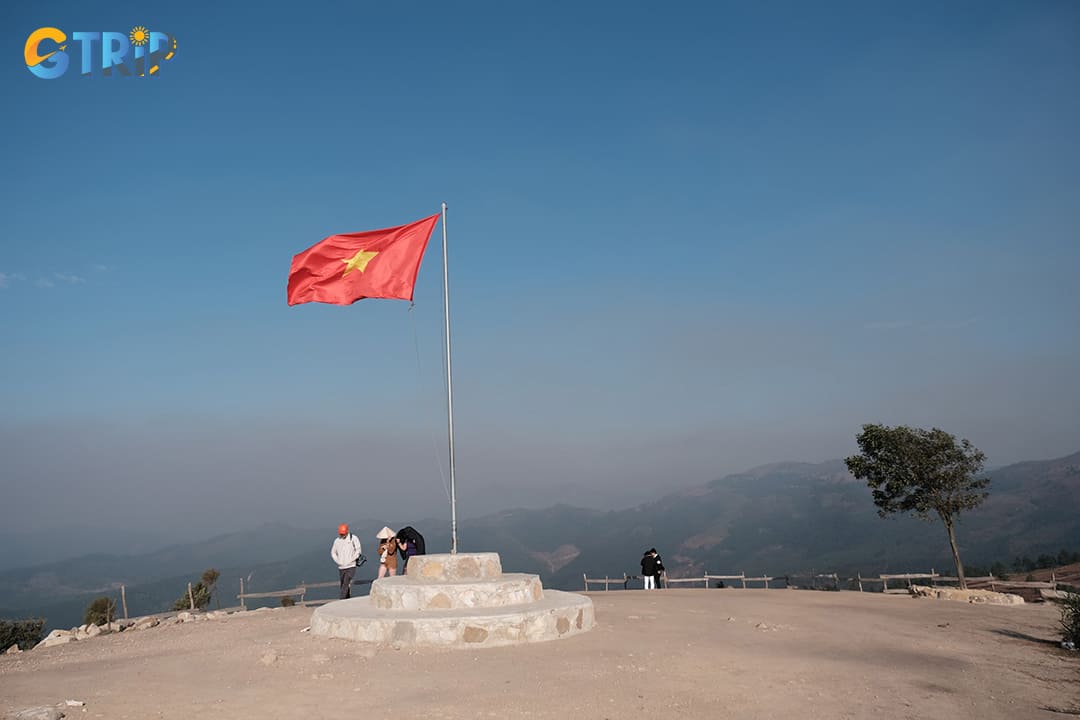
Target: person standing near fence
column 648, row 569
column 345, row 552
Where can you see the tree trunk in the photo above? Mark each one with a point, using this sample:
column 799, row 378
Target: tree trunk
column 955, row 552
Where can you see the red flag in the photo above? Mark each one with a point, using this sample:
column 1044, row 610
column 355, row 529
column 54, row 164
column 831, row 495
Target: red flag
column 342, row 269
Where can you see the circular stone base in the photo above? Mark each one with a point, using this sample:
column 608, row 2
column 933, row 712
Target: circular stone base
column 556, row 615
column 412, row 593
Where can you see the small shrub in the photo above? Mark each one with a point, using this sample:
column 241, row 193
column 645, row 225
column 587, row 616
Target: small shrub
column 1070, row 618
column 24, row 633
column 200, row 592
column 287, row 602
column 101, row 611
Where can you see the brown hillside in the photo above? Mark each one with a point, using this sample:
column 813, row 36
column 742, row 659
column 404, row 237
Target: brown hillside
column 1068, row 574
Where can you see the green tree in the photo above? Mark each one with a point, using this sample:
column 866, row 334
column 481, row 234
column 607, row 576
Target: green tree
column 1023, row 564
column 101, row 611
column 200, row 592
column 1070, row 619
column 24, row 633
column 924, row 472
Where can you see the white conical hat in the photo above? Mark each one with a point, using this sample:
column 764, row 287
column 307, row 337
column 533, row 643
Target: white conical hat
column 385, row 534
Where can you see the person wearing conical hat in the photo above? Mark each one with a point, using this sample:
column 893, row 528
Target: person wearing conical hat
column 387, row 552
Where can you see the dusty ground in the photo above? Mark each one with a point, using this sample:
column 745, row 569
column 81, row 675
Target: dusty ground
column 674, row 653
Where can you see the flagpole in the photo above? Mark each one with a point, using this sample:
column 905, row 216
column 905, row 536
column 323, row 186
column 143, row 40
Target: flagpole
column 449, row 390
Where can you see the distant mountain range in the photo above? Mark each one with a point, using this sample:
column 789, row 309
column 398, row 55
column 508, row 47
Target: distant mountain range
column 776, row 519
column 793, row 517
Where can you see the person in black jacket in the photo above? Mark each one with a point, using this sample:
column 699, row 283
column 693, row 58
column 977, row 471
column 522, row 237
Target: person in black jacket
column 659, row 568
column 648, row 568
column 410, row 542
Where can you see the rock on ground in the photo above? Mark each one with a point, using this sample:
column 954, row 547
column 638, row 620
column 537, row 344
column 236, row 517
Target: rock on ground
column 968, row 596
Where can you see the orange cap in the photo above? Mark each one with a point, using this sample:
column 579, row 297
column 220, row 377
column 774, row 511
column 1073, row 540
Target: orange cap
column 342, row 529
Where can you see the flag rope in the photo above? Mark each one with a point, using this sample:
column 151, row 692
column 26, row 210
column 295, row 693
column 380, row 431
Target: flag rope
column 420, row 402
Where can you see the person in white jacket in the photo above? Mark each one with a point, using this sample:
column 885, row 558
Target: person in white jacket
column 345, row 552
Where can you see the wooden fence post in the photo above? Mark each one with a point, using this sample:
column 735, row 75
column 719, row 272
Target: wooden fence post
column 191, row 598
column 123, row 599
column 242, row 606
column 858, row 576
column 743, row 573
column 584, row 579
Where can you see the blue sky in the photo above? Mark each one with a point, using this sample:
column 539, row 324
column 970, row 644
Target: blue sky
column 683, row 241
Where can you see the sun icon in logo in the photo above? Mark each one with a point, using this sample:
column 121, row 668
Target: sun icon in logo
column 138, row 35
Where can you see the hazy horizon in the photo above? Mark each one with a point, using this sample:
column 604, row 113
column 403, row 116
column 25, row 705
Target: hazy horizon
column 682, row 243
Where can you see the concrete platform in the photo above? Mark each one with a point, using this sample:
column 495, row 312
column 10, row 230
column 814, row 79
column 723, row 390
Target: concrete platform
column 415, row 593
column 457, row 601
column 460, row 567
column 558, row 614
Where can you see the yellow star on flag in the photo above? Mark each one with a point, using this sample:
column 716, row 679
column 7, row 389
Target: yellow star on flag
column 358, row 261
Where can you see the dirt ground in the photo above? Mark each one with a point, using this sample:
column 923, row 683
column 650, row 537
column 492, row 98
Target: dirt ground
column 674, row 653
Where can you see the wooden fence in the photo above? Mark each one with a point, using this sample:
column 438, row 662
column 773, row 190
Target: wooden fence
column 979, row 582
column 929, row 578
column 932, row 578
column 666, row 581
column 300, row 592
column 606, row 581
column 706, row 578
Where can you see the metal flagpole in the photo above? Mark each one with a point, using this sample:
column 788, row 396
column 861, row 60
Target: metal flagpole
column 449, row 390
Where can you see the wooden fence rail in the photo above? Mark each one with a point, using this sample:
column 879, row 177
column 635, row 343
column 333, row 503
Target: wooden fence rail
column 931, row 578
column 669, row 581
column 299, row 591
column 606, row 581
column 679, row 581
column 741, row 577
column 1028, row 584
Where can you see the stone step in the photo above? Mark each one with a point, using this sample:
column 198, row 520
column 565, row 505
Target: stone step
column 417, row 593
column 556, row 615
column 460, row 567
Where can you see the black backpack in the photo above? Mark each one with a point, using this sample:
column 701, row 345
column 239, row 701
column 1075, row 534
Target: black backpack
column 409, row 533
